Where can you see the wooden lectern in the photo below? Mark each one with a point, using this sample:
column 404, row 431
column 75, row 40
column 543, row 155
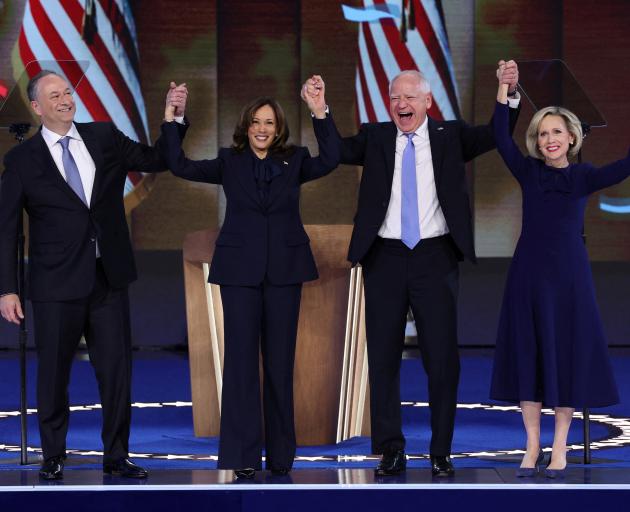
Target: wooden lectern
column 330, row 383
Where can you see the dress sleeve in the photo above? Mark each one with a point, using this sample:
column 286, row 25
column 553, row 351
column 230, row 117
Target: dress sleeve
column 512, row 156
column 329, row 142
column 598, row 178
column 207, row 171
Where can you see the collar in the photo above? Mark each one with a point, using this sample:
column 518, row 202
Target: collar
column 422, row 131
column 51, row 138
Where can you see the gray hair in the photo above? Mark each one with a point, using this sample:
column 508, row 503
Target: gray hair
column 31, row 88
column 425, row 87
column 573, row 126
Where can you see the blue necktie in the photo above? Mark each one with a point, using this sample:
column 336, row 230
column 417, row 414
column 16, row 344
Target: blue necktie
column 72, row 171
column 409, row 221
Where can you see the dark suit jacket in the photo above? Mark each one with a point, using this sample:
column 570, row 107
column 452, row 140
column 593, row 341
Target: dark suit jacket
column 453, row 143
column 62, row 229
column 260, row 239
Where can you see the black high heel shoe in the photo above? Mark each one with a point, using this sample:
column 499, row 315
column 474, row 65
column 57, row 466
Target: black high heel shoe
column 530, row 472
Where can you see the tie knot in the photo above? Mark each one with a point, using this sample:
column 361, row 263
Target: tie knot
column 410, row 136
column 64, row 141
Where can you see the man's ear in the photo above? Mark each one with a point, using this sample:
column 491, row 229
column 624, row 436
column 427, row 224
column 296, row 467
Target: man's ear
column 36, row 108
column 429, row 100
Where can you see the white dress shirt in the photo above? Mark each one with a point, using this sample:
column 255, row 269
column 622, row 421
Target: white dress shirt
column 79, row 152
column 432, row 221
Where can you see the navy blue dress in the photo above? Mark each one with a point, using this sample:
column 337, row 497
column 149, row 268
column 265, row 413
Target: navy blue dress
column 550, row 345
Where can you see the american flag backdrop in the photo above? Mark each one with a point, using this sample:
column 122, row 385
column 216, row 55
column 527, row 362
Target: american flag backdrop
column 398, row 35
column 58, row 33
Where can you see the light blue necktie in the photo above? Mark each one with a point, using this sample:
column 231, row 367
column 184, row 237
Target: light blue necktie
column 409, row 221
column 72, row 171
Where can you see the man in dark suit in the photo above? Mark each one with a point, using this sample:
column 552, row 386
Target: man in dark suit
column 412, row 226
column 69, row 178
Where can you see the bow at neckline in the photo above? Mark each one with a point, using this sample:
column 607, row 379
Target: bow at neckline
column 556, row 179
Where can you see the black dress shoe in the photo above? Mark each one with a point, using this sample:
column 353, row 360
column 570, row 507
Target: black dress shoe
column 124, row 468
column 442, row 466
column 392, row 463
column 245, row 473
column 52, row 468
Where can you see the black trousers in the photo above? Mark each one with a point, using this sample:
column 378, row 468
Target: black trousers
column 258, row 319
column 425, row 279
column 103, row 318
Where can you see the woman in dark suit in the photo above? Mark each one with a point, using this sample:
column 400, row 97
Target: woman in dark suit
column 262, row 257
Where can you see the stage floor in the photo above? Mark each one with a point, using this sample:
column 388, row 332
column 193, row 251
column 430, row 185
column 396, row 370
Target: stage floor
column 487, row 449
column 316, row 479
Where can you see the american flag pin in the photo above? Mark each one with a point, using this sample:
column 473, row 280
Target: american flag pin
column 285, row 162
column 440, row 128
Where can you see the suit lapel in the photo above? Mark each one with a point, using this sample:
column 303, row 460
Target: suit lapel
column 389, row 149
column 94, row 148
column 436, row 140
column 49, row 170
column 245, row 174
column 288, row 167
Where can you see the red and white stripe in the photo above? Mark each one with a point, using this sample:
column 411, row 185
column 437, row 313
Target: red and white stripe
column 382, row 55
column 110, row 91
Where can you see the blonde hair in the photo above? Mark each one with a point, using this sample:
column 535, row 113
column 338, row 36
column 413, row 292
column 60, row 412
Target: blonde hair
column 570, row 119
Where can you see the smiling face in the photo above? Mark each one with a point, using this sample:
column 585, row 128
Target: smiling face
column 262, row 131
column 408, row 102
column 554, row 140
column 54, row 103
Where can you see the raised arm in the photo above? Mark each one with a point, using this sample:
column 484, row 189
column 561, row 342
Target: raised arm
column 313, row 93
column 170, row 144
column 508, row 150
column 476, row 140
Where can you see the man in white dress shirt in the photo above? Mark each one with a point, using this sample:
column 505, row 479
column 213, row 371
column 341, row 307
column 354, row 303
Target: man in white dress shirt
column 412, row 226
column 69, row 178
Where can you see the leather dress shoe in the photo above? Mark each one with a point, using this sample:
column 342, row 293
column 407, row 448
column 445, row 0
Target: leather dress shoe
column 52, row 468
column 442, row 466
column 280, row 471
column 124, row 468
column 392, row 463
column 245, row 473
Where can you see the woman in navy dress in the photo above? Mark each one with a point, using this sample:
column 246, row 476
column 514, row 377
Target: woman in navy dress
column 262, row 256
column 551, row 347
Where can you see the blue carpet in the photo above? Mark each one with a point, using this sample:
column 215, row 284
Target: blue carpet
column 166, row 433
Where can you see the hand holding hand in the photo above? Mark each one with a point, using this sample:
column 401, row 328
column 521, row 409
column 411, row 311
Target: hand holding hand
column 507, row 73
column 313, row 93
column 11, row 309
column 175, row 101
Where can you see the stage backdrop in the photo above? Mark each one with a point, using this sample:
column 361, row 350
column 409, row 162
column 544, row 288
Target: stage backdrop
column 229, row 51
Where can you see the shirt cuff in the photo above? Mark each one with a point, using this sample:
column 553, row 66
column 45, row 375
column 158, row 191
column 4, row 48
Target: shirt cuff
column 327, row 111
column 179, row 119
column 514, row 101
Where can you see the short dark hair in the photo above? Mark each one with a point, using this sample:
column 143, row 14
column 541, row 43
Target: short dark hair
column 31, row 88
column 279, row 144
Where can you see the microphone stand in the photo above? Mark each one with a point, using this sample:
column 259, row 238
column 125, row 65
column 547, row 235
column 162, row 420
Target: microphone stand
column 20, row 130
column 586, row 414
